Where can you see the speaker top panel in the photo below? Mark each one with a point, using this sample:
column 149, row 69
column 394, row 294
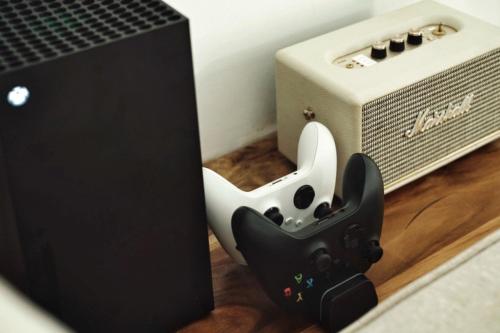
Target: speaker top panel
column 34, row 31
column 384, row 54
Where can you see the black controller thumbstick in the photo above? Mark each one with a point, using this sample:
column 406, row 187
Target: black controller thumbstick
column 415, row 37
column 274, row 215
column 322, row 260
column 397, row 44
column 379, row 51
column 304, row 197
column 373, row 251
column 322, row 210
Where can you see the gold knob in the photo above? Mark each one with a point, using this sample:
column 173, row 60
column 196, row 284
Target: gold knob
column 439, row 31
column 309, row 114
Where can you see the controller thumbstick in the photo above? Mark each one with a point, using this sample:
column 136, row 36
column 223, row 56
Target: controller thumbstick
column 374, row 251
column 304, row 197
column 322, row 210
column 322, row 260
column 274, row 215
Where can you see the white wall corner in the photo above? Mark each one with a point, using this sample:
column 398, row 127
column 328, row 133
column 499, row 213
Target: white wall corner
column 234, row 43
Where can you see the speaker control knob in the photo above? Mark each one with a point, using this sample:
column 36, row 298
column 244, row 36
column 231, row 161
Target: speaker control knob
column 397, row 44
column 379, row 50
column 415, row 37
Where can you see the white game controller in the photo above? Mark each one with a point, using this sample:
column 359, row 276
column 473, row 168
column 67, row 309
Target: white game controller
column 293, row 201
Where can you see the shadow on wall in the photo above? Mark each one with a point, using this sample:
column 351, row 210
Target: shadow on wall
column 234, row 43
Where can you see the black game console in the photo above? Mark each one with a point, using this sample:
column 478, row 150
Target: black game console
column 318, row 270
column 102, row 217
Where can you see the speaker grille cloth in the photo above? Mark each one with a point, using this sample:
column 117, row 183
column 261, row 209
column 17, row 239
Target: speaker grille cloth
column 386, row 119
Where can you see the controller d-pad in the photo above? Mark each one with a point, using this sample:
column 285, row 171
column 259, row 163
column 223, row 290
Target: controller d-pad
column 304, row 197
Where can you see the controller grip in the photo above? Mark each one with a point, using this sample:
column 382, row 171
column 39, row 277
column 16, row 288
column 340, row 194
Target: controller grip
column 362, row 182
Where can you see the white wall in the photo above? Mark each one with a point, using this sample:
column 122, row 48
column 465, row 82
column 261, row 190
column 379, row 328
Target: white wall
column 488, row 10
column 234, row 42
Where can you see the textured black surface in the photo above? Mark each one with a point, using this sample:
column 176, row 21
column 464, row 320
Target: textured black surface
column 101, row 172
column 35, row 31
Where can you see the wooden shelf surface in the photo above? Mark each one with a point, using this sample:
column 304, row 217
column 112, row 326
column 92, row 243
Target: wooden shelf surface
column 426, row 223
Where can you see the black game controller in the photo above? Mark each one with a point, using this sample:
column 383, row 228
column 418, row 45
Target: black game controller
column 318, row 271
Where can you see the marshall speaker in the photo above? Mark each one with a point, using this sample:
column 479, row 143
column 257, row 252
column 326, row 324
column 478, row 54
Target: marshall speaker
column 102, row 217
column 414, row 89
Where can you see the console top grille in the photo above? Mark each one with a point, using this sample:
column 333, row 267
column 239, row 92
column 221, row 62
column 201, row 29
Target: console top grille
column 34, row 31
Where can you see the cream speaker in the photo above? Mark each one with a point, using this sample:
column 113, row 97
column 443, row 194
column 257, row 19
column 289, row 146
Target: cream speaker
column 414, row 89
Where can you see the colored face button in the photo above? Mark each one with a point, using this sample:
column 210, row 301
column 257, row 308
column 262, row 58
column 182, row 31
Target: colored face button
column 298, row 278
column 287, row 292
column 299, row 298
column 310, row 283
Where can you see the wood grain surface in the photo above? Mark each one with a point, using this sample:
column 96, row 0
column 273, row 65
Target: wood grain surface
column 426, row 223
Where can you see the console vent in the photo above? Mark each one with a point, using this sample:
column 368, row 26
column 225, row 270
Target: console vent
column 35, row 31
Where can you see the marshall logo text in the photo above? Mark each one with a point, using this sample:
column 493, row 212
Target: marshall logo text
column 425, row 121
